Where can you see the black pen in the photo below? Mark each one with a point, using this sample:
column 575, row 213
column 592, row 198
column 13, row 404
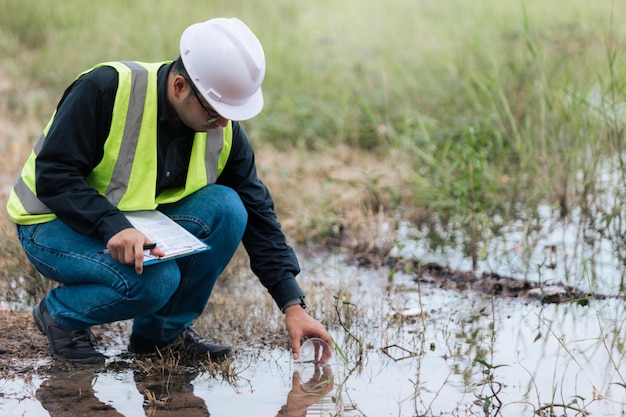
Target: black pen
column 146, row 246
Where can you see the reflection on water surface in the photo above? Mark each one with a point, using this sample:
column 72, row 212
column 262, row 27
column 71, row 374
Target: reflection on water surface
column 403, row 349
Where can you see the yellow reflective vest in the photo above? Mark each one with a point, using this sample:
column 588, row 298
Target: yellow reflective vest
column 127, row 173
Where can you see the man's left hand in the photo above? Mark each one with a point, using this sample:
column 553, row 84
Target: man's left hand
column 300, row 324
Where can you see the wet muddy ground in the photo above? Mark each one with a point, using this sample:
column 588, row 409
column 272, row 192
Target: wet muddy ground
column 415, row 344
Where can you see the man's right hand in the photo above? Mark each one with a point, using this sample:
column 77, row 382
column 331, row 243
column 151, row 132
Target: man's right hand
column 126, row 247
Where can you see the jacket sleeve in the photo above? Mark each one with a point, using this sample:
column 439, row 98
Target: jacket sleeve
column 73, row 147
column 271, row 258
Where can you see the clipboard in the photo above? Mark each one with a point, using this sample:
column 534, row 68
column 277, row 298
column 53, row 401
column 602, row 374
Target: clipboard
column 171, row 238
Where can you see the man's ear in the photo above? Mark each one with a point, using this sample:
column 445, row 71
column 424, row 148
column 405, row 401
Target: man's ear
column 179, row 85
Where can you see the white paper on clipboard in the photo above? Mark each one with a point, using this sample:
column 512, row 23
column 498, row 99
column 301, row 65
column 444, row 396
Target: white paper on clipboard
column 171, row 238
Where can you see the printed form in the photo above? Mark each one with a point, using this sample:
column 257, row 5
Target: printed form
column 169, row 236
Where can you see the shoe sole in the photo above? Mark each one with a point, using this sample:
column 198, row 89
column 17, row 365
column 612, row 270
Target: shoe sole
column 222, row 355
column 41, row 327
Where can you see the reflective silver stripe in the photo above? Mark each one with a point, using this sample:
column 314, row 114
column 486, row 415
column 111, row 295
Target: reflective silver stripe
column 28, row 199
column 214, row 145
column 124, row 164
column 39, row 144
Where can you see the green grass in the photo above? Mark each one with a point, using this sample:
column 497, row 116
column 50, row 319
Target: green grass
column 495, row 106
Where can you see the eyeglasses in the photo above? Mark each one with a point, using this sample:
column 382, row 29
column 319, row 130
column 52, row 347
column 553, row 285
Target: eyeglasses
column 213, row 115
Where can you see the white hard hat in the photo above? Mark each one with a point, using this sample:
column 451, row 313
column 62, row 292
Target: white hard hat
column 226, row 63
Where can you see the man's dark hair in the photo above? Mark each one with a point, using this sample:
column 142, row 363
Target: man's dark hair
column 179, row 68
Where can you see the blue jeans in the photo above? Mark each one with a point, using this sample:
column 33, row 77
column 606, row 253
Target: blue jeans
column 166, row 298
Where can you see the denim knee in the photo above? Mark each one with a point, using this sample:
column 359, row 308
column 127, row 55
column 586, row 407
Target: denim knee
column 233, row 210
column 211, row 209
column 151, row 290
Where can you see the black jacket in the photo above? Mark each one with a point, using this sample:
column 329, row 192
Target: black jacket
column 74, row 146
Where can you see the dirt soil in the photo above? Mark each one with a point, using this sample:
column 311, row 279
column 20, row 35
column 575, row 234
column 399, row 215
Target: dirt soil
column 493, row 284
column 20, row 340
column 24, row 349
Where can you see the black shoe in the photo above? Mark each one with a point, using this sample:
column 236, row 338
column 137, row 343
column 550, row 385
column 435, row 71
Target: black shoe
column 75, row 346
column 188, row 343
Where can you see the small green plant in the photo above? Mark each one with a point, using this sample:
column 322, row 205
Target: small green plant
column 342, row 309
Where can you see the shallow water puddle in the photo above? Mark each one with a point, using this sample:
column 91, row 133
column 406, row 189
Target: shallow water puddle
column 426, row 351
column 532, row 357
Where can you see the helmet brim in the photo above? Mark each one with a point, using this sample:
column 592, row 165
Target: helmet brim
column 240, row 112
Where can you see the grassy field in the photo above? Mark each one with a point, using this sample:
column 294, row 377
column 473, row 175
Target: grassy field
column 449, row 113
column 457, row 117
